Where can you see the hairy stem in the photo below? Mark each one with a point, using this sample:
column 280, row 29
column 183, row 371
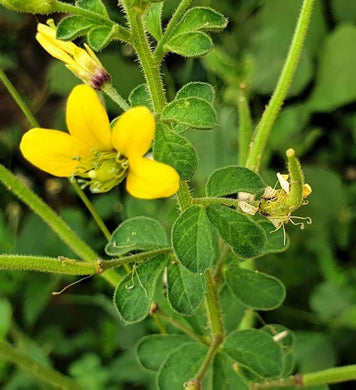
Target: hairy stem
column 331, row 375
column 245, row 125
column 213, row 310
column 63, row 231
column 109, row 90
column 46, row 374
column 137, row 258
column 324, row 377
column 60, row 265
column 260, row 137
column 148, row 63
column 224, row 201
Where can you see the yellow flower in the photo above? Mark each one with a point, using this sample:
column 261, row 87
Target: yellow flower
column 83, row 63
column 97, row 156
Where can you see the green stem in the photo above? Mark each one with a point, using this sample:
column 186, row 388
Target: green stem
column 63, row 231
column 213, row 308
column 331, row 375
column 18, row 99
column 224, row 201
column 224, row 252
column 159, row 52
column 324, row 377
column 47, row 374
column 245, row 125
column 185, row 200
column 137, row 258
column 208, row 359
column 149, row 65
column 249, row 318
column 60, row 265
column 92, row 210
column 115, row 96
column 180, row 326
column 120, row 32
column 157, row 319
column 269, row 116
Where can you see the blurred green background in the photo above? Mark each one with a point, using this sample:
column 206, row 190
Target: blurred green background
column 79, row 332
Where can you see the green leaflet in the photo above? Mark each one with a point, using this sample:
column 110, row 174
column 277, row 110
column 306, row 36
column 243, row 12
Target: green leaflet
column 180, row 366
column 255, row 350
column 192, row 111
column 153, row 350
column 192, row 240
column 224, row 375
column 254, row 289
column 186, row 291
column 233, row 179
column 133, row 296
column 190, row 44
column 197, row 89
column 137, row 234
column 140, row 96
column 175, row 151
column 246, row 238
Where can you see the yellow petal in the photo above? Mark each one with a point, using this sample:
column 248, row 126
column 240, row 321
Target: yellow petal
column 149, row 179
column 49, row 33
column 51, row 46
column 134, row 131
column 46, row 30
column 53, row 151
column 87, row 119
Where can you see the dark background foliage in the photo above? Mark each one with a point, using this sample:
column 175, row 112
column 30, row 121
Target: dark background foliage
column 79, row 332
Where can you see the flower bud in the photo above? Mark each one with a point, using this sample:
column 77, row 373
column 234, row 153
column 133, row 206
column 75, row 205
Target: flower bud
column 30, row 6
column 83, row 63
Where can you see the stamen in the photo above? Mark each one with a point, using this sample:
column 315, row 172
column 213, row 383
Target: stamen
column 102, row 171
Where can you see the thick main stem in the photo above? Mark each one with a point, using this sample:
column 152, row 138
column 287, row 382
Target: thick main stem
column 260, row 137
column 331, row 375
column 245, row 125
column 324, row 377
column 149, row 65
column 49, row 264
column 47, row 374
column 213, row 310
